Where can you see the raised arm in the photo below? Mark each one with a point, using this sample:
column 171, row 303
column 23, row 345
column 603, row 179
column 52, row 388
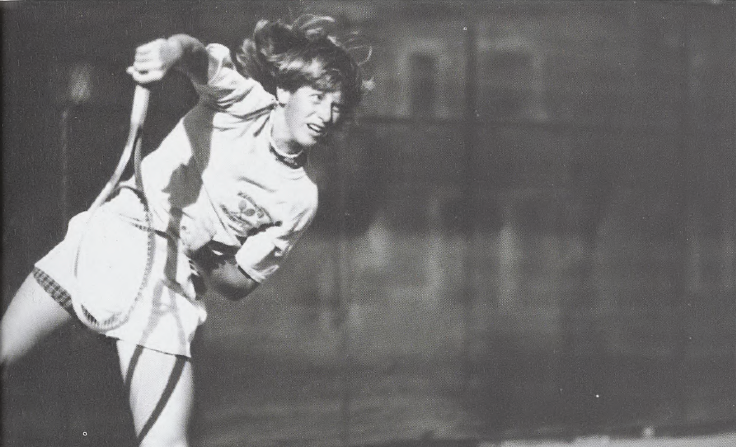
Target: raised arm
column 180, row 52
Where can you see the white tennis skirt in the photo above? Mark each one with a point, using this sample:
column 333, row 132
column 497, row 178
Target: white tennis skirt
column 104, row 264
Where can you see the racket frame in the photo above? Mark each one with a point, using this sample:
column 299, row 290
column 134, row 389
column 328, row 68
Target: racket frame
column 139, row 111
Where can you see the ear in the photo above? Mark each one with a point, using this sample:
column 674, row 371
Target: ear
column 282, row 96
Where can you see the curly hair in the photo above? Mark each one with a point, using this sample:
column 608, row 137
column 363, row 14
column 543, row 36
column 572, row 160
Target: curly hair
column 300, row 54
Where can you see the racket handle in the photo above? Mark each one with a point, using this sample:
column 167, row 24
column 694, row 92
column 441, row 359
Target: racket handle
column 140, row 106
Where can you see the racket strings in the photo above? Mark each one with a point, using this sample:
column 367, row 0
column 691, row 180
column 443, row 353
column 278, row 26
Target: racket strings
column 119, row 319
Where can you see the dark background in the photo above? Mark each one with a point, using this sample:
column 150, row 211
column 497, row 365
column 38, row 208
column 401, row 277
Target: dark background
column 529, row 229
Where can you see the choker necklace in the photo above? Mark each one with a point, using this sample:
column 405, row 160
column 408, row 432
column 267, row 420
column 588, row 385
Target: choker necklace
column 294, row 161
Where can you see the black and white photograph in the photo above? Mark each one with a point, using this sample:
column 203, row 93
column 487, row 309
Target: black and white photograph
column 368, row 223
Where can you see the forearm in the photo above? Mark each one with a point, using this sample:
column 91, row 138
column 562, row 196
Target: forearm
column 179, row 52
column 222, row 275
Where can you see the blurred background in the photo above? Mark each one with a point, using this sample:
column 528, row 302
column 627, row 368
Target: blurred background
column 528, row 231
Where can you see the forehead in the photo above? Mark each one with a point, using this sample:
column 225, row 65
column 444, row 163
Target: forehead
column 333, row 96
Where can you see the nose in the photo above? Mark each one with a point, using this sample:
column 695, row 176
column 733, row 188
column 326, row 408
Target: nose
column 324, row 111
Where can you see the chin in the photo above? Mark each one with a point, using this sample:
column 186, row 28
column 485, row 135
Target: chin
column 309, row 143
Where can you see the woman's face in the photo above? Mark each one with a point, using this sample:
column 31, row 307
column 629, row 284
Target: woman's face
column 309, row 115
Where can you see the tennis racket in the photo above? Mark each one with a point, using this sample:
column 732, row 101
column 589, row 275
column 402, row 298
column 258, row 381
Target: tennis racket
column 114, row 257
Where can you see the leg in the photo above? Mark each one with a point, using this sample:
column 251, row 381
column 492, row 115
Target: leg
column 160, row 391
column 31, row 315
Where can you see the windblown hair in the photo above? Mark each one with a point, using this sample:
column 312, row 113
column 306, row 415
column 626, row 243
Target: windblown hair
column 301, row 54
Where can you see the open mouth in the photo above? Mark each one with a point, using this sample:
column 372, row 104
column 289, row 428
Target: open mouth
column 319, row 131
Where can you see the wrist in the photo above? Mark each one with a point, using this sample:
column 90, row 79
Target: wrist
column 175, row 49
column 190, row 56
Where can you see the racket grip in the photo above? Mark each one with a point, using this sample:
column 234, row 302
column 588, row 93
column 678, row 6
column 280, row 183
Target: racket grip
column 140, row 106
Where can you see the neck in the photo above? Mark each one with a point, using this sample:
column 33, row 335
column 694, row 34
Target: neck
column 285, row 149
column 289, row 152
column 280, row 139
column 294, row 161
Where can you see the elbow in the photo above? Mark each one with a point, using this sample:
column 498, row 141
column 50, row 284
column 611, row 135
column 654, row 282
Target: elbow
column 225, row 278
column 235, row 294
column 235, row 290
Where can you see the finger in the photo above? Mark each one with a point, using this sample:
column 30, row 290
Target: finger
column 143, row 57
column 143, row 54
column 152, row 46
column 148, row 52
column 148, row 65
column 145, row 77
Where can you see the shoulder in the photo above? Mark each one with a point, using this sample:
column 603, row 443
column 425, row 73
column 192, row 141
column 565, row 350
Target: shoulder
column 221, row 62
column 227, row 89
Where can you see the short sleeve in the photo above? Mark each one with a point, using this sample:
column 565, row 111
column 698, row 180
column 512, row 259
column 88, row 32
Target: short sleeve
column 229, row 91
column 262, row 254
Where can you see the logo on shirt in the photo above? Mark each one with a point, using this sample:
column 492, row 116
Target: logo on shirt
column 247, row 215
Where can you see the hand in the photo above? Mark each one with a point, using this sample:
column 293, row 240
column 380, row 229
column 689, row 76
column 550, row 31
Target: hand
column 195, row 234
column 212, row 256
column 154, row 59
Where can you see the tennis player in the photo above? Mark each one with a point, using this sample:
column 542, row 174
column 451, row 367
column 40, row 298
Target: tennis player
column 228, row 197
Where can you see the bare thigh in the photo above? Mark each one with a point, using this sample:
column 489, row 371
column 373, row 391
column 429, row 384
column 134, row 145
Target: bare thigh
column 160, row 392
column 31, row 316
